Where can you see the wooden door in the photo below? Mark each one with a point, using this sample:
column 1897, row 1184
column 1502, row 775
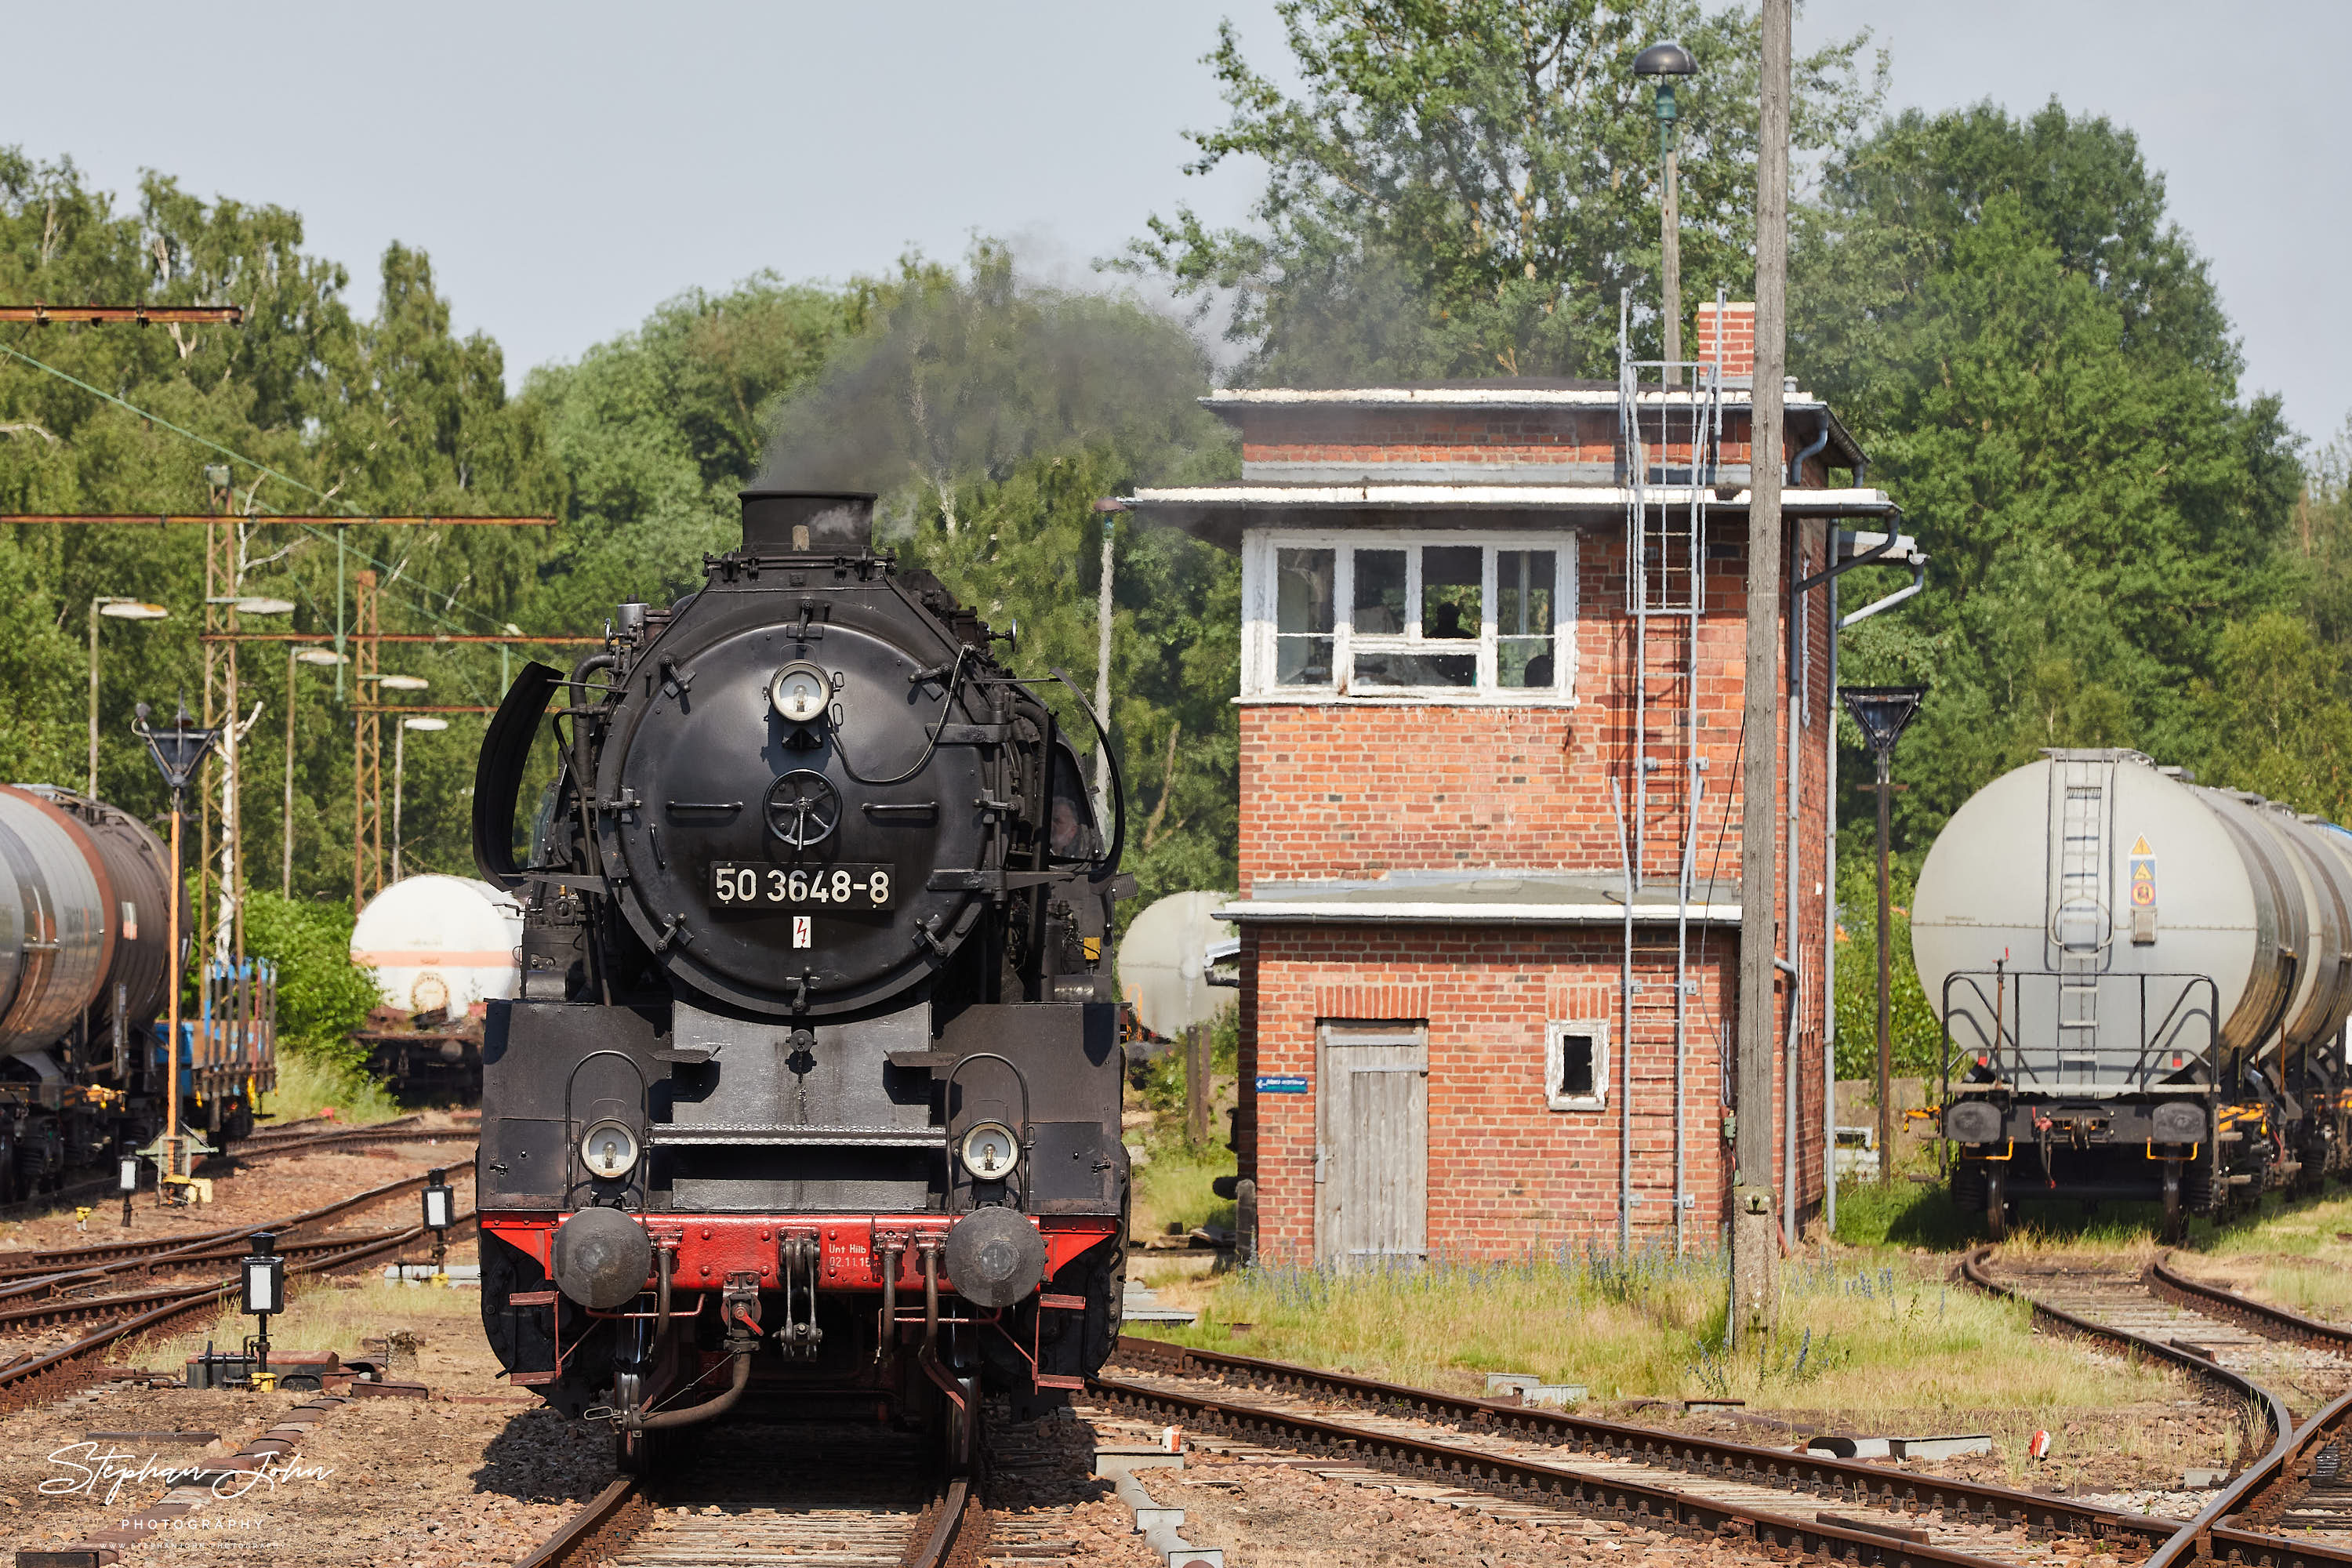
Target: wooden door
column 1372, row 1143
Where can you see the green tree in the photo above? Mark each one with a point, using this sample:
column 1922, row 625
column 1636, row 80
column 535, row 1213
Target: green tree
column 990, row 414
column 1469, row 189
column 658, row 429
column 317, row 410
column 322, row 996
column 2040, row 366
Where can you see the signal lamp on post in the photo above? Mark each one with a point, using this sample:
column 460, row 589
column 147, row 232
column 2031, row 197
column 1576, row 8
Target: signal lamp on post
column 264, row 1278
column 440, row 1214
column 126, row 1180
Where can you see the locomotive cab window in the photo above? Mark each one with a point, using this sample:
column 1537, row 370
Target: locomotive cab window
column 1073, row 834
column 1397, row 616
column 1576, row 1064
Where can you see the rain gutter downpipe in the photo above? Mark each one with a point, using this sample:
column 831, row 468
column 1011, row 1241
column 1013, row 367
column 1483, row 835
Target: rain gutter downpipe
column 1625, row 1040
column 1890, row 549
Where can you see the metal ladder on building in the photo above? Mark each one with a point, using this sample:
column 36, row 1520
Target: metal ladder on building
column 1665, row 594
column 1665, row 570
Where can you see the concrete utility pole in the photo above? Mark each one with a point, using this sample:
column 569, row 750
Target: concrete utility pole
column 1111, row 511
column 1755, row 1224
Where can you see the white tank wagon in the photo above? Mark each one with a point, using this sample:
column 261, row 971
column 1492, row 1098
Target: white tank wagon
column 2143, row 985
column 439, row 944
column 442, row 948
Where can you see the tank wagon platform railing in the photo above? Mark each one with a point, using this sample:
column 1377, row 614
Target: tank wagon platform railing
column 2044, row 1033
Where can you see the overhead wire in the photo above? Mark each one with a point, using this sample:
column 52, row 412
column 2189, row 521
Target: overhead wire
column 258, row 467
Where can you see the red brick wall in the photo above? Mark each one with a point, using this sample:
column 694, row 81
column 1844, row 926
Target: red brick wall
column 1335, row 791
column 1507, row 1175
column 1406, row 435
column 1738, row 327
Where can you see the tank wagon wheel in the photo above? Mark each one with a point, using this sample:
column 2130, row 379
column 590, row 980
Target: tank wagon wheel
column 2176, row 1216
column 1996, row 1204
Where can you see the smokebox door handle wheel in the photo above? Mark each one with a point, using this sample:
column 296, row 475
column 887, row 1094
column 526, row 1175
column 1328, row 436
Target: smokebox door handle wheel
column 802, row 808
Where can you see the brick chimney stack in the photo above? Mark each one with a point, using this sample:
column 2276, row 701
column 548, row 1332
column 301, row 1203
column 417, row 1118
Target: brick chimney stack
column 1737, row 332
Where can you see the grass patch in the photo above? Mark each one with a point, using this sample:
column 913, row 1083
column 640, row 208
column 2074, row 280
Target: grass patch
column 1172, row 1180
column 1173, row 1189
column 322, row 1317
column 1879, row 1338
column 308, row 1085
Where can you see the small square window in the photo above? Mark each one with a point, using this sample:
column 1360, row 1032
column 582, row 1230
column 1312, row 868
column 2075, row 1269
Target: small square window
column 1576, row 1064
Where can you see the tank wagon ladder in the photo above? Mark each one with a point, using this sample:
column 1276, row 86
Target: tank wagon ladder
column 2081, row 919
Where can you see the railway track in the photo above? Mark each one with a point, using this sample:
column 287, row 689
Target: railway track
column 402, row 1130
column 856, row 1499
column 105, row 1258
column 2298, row 1483
column 1777, row 1500
column 42, row 1374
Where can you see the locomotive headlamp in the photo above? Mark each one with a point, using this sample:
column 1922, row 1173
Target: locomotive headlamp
column 610, row 1150
column 800, row 692
column 989, row 1151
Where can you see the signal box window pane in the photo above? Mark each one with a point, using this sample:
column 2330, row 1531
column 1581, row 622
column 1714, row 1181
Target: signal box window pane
column 1376, row 672
column 1576, row 1064
column 1451, row 576
column 1525, row 583
column 1304, row 581
column 1380, row 593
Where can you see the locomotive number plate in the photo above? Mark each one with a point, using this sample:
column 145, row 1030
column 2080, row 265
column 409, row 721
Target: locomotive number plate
column 737, row 886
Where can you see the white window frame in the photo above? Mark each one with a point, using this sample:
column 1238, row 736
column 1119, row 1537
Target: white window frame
column 1556, row 1032
column 1260, row 588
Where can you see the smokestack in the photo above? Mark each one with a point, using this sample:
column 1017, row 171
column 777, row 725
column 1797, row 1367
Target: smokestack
column 1735, row 332
column 807, row 522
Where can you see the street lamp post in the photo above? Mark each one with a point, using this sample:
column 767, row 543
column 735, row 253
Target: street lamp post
column 399, row 767
column 1881, row 712
column 228, row 935
column 178, row 752
column 1665, row 62
column 296, row 654
column 118, row 610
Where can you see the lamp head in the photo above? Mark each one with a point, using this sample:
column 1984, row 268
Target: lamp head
column 132, row 610
column 1666, row 59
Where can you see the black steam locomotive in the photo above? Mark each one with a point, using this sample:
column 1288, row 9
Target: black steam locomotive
column 810, row 1101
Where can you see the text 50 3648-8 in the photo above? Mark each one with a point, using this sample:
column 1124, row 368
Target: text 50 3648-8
column 734, row 885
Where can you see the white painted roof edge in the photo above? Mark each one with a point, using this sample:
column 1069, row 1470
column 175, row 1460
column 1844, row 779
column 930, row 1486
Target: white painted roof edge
column 1452, row 913
column 1471, row 397
column 1517, row 497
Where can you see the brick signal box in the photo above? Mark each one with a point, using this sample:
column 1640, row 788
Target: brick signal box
column 1491, row 695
